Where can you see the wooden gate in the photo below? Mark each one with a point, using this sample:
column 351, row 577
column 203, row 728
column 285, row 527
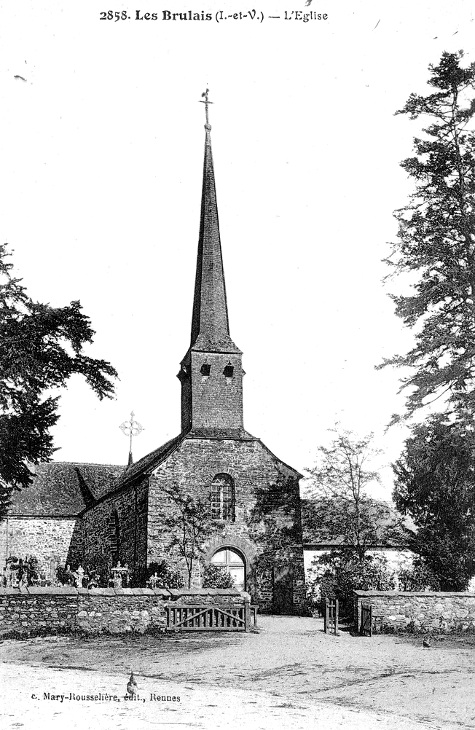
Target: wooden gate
column 330, row 623
column 366, row 625
column 208, row 618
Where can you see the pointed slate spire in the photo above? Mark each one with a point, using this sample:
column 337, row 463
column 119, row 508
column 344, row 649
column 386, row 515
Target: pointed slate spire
column 210, row 323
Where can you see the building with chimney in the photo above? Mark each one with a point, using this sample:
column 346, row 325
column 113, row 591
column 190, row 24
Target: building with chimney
column 249, row 497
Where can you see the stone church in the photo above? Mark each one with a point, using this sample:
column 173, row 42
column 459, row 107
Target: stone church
column 94, row 514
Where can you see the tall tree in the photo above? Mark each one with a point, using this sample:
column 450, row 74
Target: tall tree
column 435, row 485
column 340, row 507
column 436, row 243
column 40, row 348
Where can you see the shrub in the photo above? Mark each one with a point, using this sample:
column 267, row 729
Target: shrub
column 29, row 568
column 167, row 577
column 338, row 573
column 32, row 569
column 64, row 575
column 215, row 576
column 418, row 577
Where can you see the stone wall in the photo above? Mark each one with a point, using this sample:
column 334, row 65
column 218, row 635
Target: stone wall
column 56, row 539
column 100, row 610
column 418, row 612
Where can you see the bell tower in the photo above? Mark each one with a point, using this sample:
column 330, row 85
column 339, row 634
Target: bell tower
column 211, row 372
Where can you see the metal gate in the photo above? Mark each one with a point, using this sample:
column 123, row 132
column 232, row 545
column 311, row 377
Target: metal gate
column 208, row 618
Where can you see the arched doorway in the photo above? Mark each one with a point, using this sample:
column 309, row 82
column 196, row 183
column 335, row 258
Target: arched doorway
column 233, row 561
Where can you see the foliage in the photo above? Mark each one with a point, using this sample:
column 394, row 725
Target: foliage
column 41, row 347
column 340, row 507
column 188, row 524
column 26, row 569
column 274, row 521
column 435, row 484
column 33, row 569
column 65, row 575
column 275, row 527
column 215, row 576
column 436, row 244
column 340, row 572
column 417, row 577
column 94, row 580
column 167, row 577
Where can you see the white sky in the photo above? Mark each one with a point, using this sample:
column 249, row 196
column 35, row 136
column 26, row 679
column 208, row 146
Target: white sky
column 101, row 163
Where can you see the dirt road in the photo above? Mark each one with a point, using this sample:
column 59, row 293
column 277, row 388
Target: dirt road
column 290, row 675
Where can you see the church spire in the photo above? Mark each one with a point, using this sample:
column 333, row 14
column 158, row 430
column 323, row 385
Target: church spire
column 211, row 372
column 210, row 323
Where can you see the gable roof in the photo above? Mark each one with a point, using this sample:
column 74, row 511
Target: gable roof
column 63, row 488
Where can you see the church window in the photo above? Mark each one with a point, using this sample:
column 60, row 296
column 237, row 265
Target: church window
column 233, row 562
column 205, row 370
column 222, row 498
column 228, row 372
column 114, row 536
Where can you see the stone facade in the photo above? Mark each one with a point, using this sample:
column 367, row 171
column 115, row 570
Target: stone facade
column 252, row 468
column 55, row 540
column 116, row 529
column 418, row 612
column 192, row 468
column 97, row 611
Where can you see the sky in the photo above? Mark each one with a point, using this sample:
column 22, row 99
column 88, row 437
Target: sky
column 101, row 149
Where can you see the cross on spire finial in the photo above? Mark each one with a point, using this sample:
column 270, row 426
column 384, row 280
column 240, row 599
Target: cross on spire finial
column 206, row 102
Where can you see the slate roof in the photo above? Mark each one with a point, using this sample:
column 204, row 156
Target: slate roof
column 210, row 322
column 62, row 488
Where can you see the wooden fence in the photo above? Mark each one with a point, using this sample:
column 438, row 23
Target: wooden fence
column 330, row 623
column 208, row 617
